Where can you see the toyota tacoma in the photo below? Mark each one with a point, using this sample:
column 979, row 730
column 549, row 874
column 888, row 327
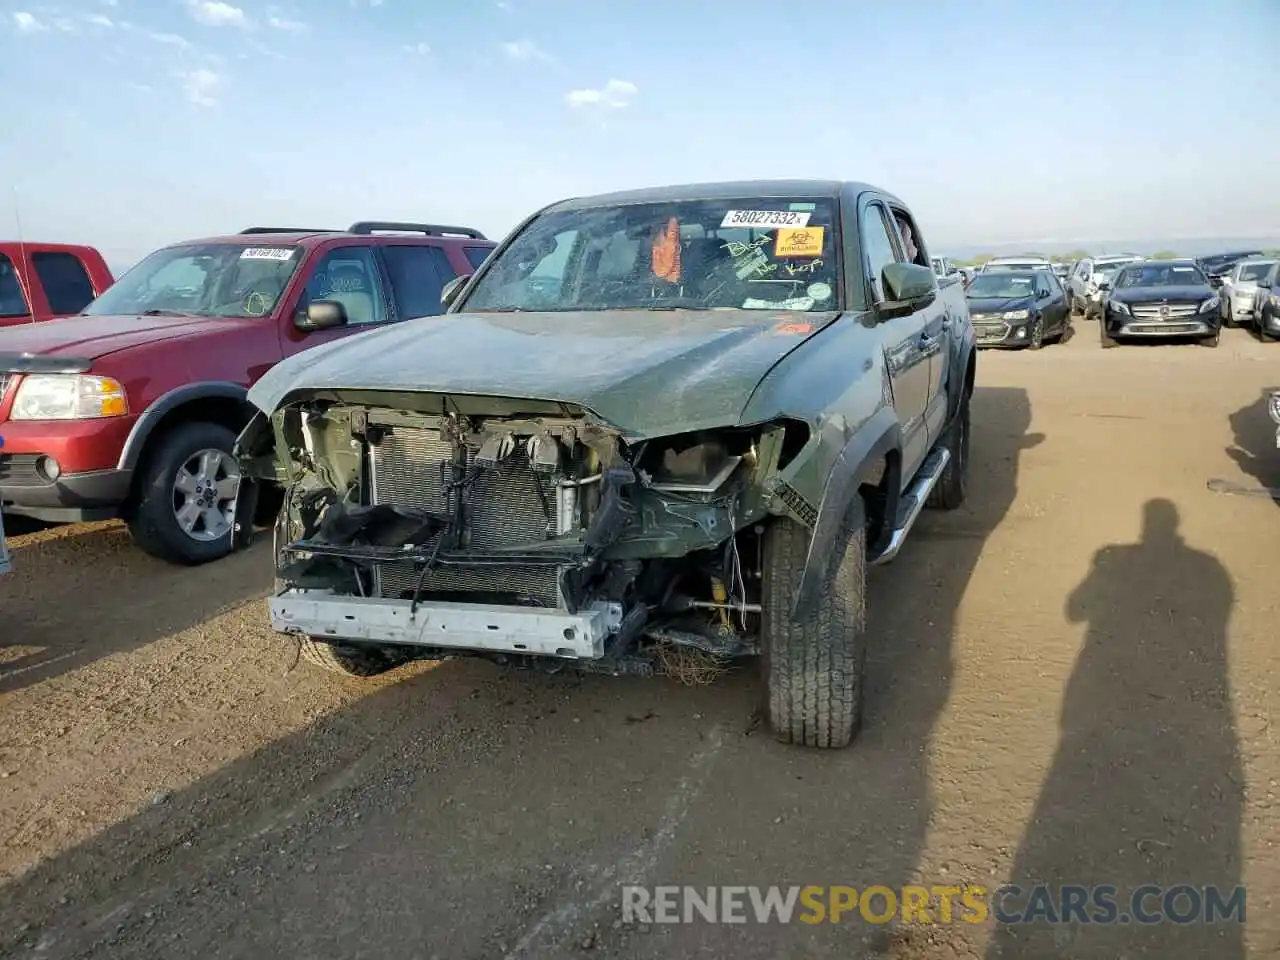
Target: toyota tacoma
column 676, row 421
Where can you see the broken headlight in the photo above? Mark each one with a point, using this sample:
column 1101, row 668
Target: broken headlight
column 689, row 466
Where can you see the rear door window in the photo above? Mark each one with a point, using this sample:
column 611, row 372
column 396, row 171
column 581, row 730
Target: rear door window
column 66, row 283
column 13, row 302
column 476, row 255
column 418, row 273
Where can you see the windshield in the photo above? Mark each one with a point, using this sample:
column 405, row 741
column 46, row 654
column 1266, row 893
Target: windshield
column 203, row 280
column 1254, row 271
column 754, row 254
column 1003, row 284
column 1160, row 275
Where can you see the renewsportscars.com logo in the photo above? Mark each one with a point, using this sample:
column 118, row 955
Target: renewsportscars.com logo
column 1010, row 904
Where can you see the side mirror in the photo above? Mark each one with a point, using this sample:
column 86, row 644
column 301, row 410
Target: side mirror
column 322, row 315
column 1104, row 285
column 1264, row 283
column 451, row 289
column 908, row 287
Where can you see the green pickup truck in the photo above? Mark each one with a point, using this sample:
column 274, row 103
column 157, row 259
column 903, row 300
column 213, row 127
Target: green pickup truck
column 657, row 427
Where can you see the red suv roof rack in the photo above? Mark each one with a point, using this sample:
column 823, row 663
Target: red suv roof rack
column 430, row 229
column 248, row 230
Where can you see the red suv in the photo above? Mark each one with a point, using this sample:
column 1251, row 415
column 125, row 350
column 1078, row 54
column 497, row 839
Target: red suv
column 131, row 408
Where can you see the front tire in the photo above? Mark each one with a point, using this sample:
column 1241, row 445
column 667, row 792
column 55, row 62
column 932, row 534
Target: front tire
column 185, row 501
column 1212, row 341
column 1036, row 340
column 1106, row 341
column 349, row 659
column 814, row 667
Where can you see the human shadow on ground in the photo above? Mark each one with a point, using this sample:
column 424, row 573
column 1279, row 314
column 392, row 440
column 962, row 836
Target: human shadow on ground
column 466, row 812
column 78, row 593
column 1146, row 786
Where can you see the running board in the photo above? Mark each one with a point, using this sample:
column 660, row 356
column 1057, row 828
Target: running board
column 913, row 502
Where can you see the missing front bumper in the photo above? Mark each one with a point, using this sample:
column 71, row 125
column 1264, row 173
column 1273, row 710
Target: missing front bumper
column 535, row 631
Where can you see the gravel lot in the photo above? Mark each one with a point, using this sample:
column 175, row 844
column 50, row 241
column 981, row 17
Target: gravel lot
column 1072, row 678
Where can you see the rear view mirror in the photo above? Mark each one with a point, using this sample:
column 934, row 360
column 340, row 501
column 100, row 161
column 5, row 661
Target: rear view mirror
column 451, row 290
column 322, row 315
column 907, row 287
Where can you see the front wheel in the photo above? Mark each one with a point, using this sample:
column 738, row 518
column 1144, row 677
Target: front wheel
column 184, row 508
column 1036, row 339
column 1106, row 341
column 350, row 659
column 1213, row 340
column 814, row 665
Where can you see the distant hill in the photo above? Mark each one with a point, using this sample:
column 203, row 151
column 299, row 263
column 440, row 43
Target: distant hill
column 1183, row 246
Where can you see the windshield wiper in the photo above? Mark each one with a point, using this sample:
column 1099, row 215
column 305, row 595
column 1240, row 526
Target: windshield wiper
column 156, row 312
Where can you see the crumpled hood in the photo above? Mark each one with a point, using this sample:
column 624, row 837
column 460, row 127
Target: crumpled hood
column 646, row 372
column 94, row 337
column 983, row 305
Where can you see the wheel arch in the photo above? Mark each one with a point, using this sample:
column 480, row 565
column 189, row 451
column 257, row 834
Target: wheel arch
column 869, row 461
column 212, row 401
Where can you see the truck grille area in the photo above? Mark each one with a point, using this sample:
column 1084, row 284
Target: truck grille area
column 511, row 504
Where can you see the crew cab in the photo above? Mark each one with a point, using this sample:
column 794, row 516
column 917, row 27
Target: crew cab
column 679, row 421
column 131, row 408
column 41, row 281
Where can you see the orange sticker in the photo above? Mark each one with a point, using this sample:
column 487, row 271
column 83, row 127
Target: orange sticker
column 666, row 253
column 794, row 326
column 799, row 242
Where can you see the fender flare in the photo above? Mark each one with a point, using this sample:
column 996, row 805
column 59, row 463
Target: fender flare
column 136, row 442
column 859, row 462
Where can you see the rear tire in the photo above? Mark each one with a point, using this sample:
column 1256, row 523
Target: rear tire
column 950, row 490
column 814, row 667
column 349, row 659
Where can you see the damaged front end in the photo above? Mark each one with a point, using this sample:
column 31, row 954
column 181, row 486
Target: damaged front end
column 525, row 531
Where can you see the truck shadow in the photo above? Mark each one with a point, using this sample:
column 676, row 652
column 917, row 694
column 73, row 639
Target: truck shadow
column 1254, row 444
column 78, row 593
column 470, row 812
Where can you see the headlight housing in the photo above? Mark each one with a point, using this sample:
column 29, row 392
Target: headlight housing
column 1211, row 304
column 1017, row 315
column 1118, row 306
column 61, row 396
column 1273, row 406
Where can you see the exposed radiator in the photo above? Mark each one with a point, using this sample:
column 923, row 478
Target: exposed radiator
column 510, row 505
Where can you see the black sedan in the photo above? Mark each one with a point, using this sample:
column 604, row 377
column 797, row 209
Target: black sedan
column 1017, row 308
column 1266, row 305
column 1161, row 298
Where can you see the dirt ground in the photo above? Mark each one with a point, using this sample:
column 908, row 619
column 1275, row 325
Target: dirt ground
column 1071, row 679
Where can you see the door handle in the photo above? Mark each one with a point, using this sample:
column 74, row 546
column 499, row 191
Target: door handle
column 926, row 341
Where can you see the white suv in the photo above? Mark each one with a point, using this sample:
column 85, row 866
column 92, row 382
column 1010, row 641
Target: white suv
column 1082, row 288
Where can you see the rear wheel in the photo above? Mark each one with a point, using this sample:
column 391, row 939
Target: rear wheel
column 814, row 666
column 950, row 490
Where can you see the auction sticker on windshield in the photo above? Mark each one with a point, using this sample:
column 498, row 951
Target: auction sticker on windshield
column 798, row 242
column 765, row 219
column 266, row 253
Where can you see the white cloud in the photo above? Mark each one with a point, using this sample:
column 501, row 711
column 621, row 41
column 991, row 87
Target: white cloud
column 169, row 39
column 289, row 26
column 201, row 86
column 421, row 49
column 26, row 23
column 98, row 20
column 524, row 51
column 504, row 6
column 63, row 24
column 215, row 13
column 614, row 94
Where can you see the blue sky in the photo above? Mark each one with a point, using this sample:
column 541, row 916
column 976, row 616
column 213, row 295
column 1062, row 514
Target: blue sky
column 134, row 123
